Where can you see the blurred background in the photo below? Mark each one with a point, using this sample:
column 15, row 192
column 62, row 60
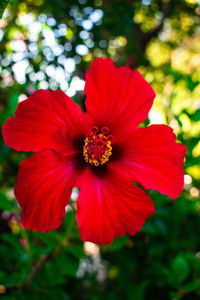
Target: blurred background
column 50, row 45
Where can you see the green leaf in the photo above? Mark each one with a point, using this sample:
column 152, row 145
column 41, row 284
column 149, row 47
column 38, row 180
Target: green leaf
column 5, row 203
column 118, row 243
column 76, row 250
column 13, row 241
column 180, row 268
column 12, row 103
column 191, row 286
column 51, row 238
column 3, row 5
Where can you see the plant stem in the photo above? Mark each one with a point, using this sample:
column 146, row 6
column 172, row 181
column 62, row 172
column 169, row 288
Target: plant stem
column 50, row 256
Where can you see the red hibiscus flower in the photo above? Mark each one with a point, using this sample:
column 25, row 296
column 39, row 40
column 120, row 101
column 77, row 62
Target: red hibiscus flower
column 102, row 151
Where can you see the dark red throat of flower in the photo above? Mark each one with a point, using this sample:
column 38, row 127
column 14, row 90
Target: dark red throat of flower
column 97, row 147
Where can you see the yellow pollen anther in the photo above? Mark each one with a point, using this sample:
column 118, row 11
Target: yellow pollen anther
column 97, row 147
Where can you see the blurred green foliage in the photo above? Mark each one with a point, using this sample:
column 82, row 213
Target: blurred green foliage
column 48, row 44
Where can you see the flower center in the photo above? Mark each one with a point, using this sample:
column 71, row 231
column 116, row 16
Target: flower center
column 97, row 147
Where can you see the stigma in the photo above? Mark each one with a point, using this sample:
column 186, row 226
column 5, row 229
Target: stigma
column 97, row 148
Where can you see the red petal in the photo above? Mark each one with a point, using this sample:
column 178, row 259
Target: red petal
column 45, row 120
column 116, row 97
column 107, row 208
column 43, row 189
column 152, row 157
